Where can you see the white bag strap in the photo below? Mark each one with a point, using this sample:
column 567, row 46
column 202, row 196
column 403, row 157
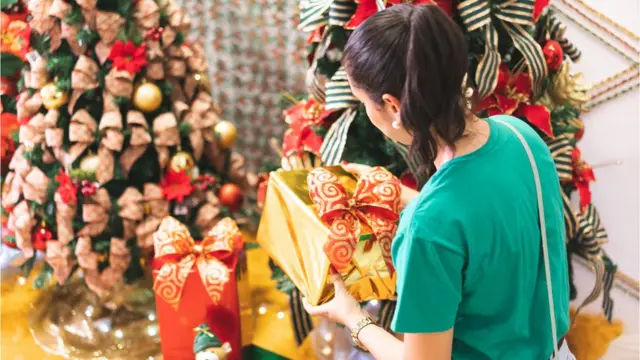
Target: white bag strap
column 543, row 231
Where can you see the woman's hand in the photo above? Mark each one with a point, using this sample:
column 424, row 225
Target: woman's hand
column 342, row 309
column 356, row 169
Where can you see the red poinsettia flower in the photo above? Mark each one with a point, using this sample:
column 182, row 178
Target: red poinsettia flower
column 15, row 36
column 263, row 182
column 300, row 135
column 582, row 176
column 176, row 185
column 538, row 8
column 128, row 56
column 366, row 8
column 512, row 96
column 67, row 190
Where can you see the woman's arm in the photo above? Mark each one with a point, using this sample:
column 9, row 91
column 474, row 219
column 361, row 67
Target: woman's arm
column 383, row 345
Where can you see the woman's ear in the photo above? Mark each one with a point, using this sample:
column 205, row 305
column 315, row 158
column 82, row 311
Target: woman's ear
column 392, row 103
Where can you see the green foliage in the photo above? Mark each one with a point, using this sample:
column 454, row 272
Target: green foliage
column 10, row 64
column 27, row 266
column 9, row 239
column 61, row 64
column 135, row 270
column 9, row 103
column 164, row 17
column 34, row 156
column 75, row 17
column 179, row 39
column 4, row 4
column 165, row 87
column 121, row 100
column 185, row 129
column 283, row 283
column 80, row 175
column 44, row 277
column 268, row 166
column 88, row 37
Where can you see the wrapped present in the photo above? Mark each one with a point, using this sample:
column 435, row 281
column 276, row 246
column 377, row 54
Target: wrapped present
column 199, row 283
column 325, row 220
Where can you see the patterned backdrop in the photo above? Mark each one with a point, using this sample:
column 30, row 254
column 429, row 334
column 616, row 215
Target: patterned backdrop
column 255, row 53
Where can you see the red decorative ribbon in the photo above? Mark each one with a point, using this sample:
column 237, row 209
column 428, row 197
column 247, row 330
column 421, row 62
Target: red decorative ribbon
column 582, row 176
column 176, row 253
column 375, row 202
column 513, row 96
column 300, row 136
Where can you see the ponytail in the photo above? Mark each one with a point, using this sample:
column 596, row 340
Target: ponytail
column 417, row 54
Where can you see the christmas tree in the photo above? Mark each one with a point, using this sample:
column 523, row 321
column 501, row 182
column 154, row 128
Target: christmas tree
column 118, row 130
column 14, row 44
column 519, row 64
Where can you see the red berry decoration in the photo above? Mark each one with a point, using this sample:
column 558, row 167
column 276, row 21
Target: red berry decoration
column 88, row 188
column 231, row 196
column 553, row 54
column 40, row 237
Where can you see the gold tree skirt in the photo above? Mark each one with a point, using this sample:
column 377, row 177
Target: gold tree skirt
column 272, row 332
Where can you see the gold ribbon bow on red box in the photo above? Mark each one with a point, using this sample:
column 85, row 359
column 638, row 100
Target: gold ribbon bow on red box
column 176, row 253
column 375, row 203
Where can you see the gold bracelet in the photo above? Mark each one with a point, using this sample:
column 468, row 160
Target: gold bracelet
column 355, row 332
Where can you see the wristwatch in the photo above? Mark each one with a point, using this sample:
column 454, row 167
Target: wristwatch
column 355, row 332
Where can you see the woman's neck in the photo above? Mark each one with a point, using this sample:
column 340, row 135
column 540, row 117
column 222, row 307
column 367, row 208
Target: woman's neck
column 476, row 134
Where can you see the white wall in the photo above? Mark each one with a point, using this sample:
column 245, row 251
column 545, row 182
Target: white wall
column 612, row 134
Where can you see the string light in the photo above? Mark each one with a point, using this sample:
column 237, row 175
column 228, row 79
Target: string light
column 118, row 334
column 22, row 280
column 280, row 315
column 262, row 310
column 328, row 337
column 326, row 351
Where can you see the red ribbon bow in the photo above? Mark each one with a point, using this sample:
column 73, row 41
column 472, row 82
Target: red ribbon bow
column 513, row 96
column 176, row 253
column 375, row 202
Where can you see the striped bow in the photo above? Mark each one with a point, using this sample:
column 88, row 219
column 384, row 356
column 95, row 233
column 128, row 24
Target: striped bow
column 317, row 13
column 514, row 16
column 556, row 32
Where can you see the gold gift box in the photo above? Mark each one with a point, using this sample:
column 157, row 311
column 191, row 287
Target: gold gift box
column 293, row 234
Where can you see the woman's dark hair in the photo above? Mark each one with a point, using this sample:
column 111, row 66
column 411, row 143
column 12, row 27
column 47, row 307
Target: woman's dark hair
column 419, row 55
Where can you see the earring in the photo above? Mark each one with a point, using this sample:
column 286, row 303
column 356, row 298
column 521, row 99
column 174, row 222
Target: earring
column 396, row 124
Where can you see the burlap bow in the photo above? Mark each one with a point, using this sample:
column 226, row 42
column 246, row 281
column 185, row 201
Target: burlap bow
column 514, row 16
column 21, row 222
column 85, row 74
column 201, row 117
column 131, row 210
column 70, row 33
column 108, row 24
column 177, row 18
column 156, row 207
column 34, row 187
column 40, row 21
column 176, row 254
column 18, row 163
column 208, row 213
column 119, row 83
column 101, row 282
column 196, row 59
column 375, row 203
column 82, row 131
column 165, row 134
column 95, row 213
column 65, row 212
column 32, row 133
column 28, row 106
column 59, row 258
column 88, row 11
column 140, row 140
column 177, row 64
column 147, row 14
column 59, row 9
column 11, row 190
column 37, row 76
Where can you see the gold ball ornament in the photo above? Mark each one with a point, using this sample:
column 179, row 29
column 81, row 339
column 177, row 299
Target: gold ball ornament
column 147, row 97
column 182, row 161
column 52, row 97
column 90, row 164
column 226, row 134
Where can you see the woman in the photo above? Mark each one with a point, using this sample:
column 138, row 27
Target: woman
column 470, row 270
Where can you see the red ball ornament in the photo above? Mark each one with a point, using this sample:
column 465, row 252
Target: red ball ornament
column 40, row 237
column 231, row 196
column 553, row 54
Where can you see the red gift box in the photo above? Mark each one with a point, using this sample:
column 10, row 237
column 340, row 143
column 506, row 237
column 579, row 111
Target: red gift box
column 185, row 298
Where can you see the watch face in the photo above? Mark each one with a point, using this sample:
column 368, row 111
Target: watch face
column 208, row 354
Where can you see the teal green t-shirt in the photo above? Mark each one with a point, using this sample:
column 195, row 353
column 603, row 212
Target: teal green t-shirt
column 468, row 252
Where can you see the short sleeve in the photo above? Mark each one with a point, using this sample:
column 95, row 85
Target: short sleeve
column 429, row 281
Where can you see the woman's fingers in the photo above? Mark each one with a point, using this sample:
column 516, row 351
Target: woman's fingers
column 338, row 283
column 315, row 310
column 356, row 169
